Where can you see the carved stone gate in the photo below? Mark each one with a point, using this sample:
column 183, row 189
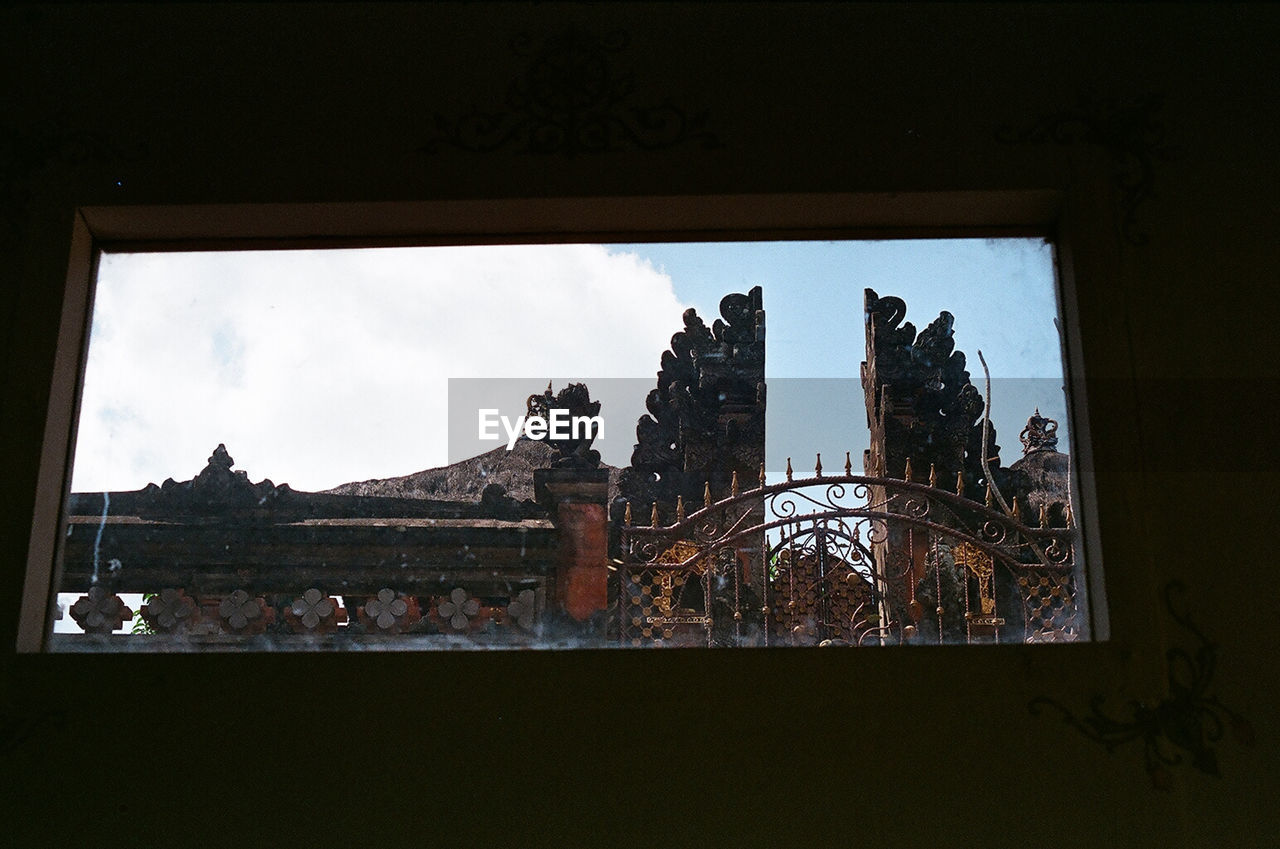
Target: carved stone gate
column 850, row 560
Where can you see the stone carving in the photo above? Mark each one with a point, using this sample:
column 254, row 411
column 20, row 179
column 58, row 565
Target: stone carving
column 458, row 609
column 314, row 612
column 170, row 610
column 243, row 614
column 217, row 489
column 706, row 415
column 576, row 451
column 100, row 611
column 1040, row 434
column 389, row 612
column 523, row 609
column 922, row 403
column 1040, row 479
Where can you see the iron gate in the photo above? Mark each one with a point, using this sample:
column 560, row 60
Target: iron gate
column 846, row 560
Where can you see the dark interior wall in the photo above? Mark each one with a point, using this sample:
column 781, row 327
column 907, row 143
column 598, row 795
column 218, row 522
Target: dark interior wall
column 159, row 104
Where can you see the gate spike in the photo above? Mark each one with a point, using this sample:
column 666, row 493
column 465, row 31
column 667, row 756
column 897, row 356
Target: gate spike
column 1017, row 513
column 818, row 466
column 626, row 515
column 906, row 476
column 1044, row 515
column 933, row 475
column 848, row 466
column 706, row 495
column 788, row 470
column 733, row 485
column 959, row 483
column 991, row 502
column 679, row 508
column 653, row 517
column 762, row 475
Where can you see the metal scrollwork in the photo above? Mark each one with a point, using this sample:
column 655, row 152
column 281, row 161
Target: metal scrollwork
column 994, row 532
column 846, row 571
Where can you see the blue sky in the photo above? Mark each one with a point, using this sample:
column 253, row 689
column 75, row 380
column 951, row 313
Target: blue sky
column 1001, row 292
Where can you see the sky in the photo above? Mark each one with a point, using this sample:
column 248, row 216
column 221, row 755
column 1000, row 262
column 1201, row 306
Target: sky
column 325, row 366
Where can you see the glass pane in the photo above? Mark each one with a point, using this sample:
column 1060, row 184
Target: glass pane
column 506, row 446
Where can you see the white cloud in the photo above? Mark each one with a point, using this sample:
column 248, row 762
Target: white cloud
column 319, row 367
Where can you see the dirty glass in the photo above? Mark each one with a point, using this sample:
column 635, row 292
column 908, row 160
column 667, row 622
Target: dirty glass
column 573, row 446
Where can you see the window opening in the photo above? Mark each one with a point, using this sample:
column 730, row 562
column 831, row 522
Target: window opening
column 828, row 483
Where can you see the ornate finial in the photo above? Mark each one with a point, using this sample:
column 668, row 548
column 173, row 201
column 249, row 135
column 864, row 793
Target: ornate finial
column 653, row 517
column 733, row 485
column 1044, row 515
column 933, row 475
column 762, row 475
column 848, row 465
column 626, row 515
column 906, row 475
column 1040, row 434
column 679, row 508
column 991, row 502
column 788, row 470
column 959, row 483
column 817, row 467
column 540, row 405
column 1017, row 511
column 706, row 495
column 220, row 459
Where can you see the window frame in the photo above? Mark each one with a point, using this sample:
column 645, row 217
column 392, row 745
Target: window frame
column 1075, row 220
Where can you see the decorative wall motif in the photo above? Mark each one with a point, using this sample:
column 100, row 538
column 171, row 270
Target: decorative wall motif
column 20, row 722
column 523, row 610
column 29, row 148
column 389, row 612
column 458, row 609
column 170, row 610
column 571, row 100
column 100, row 611
column 1127, row 130
column 314, row 612
column 1183, row 726
column 242, row 613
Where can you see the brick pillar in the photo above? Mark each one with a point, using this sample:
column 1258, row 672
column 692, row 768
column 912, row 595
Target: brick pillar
column 577, row 499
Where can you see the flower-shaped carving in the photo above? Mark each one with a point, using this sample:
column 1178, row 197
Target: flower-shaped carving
column 170, row 610
column 523, row 609
column 389, row 613
column 315, row 612
column 244, row 614
column 100, row 611
column 458, row 609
